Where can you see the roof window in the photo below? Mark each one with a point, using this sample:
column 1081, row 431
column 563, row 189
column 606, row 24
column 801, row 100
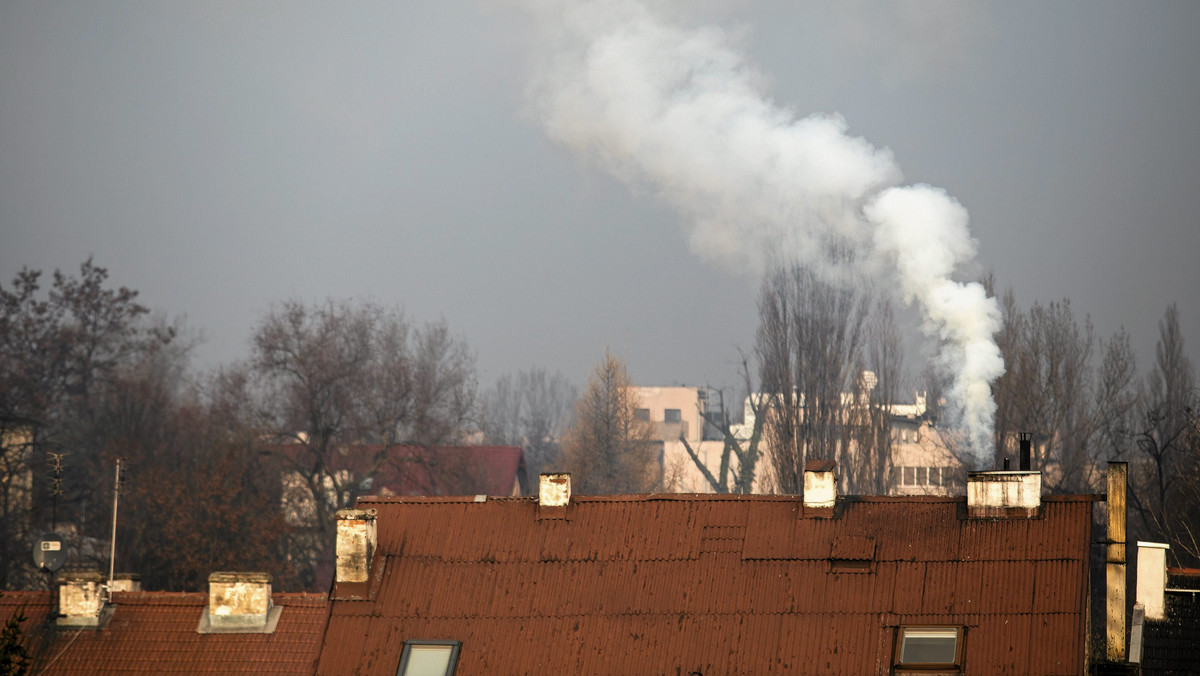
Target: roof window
column 929, row 648
column 429, row 658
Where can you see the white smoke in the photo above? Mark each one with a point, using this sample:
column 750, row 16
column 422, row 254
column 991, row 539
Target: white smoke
column 680, row 110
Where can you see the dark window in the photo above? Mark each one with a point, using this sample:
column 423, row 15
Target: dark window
column 429, row 658
column 641, row 414
column 929, row 647
column 672, row 415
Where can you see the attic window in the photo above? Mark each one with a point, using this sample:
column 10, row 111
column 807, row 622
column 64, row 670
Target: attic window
column 429, row 658
column 929, row 648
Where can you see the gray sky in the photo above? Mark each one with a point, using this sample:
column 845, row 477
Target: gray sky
column 220, row 156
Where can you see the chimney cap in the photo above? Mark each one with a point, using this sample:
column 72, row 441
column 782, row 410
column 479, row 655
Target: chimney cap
column 226, row 576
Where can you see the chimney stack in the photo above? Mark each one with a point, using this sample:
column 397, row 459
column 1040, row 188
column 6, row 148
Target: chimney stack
column 820, row 484
column 81, row 599
column 1115, row 566
column 356, row 542
column 126, row 582
column 239, row 603
column 1026, row 443
column 1003, row 494
column 554, row 490
column 1152, row 578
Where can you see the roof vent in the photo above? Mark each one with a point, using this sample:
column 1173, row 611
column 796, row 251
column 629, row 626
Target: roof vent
column 820, row 484
column 1003, row 494
column 239, row 603
column 81, row 599
column 554, row 490
column 355, row 544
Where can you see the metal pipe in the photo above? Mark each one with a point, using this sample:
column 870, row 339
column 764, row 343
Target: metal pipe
column 112, row 553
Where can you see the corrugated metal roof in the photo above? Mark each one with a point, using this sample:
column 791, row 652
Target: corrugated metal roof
column 155, row 633
column 745, row 585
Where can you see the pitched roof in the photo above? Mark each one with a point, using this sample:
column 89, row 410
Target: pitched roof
column 716, row 584
column 155, row 633
column 442, row 470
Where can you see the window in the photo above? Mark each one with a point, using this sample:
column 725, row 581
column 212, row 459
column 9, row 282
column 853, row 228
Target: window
column 672, row 415
column 641, row 414
column 429, row 658
column 929, row 647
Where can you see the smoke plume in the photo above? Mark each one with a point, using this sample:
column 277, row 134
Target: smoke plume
column 680, row 110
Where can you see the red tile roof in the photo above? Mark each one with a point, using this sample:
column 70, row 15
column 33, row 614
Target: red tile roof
column 443, row 470
column 715, row 584
column 155, row 633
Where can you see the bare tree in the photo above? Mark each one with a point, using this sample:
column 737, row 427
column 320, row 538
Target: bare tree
column 63, row 357
column 810, row 338
column 1050, row 389
column 608, row 450
column 745, row 452
column 867, row 463
column 1165, row 464
column 531, row 410
column 340, row 375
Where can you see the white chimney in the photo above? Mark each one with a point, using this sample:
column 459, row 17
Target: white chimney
column 820, row 484
column 1003, row 494
column 1152, row 578
column 554, row 490
column 356, row 542
column 239, row 603
column 81, row 599
column 126, row 582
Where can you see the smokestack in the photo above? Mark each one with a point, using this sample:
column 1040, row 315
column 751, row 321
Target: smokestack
column 239, row 603
column 1026, row 441
column 820, row 484
column 356, row 541
column 1115, row 566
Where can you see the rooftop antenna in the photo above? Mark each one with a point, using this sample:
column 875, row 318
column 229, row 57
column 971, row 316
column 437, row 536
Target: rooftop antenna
column 56, row 468
column 112, row 554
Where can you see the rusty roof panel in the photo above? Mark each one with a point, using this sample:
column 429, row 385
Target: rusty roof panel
column 715, row 584
column 155, row 632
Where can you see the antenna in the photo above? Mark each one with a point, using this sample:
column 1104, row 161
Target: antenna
column 112, row 555
column 56, row 467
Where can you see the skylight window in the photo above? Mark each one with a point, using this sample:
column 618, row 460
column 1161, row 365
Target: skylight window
column 929, row 647
column 429, row 658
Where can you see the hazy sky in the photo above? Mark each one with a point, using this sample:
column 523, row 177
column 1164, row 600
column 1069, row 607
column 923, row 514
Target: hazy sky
column 221, row 156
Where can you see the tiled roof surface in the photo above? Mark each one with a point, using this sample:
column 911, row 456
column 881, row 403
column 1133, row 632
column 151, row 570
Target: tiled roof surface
column 155, row 633
column 718, row 585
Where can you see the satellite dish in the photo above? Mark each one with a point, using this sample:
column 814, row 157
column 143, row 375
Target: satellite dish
column 49, row 553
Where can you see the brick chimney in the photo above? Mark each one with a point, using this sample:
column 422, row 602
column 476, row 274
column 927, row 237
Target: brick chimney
column 820, row 485
column 554, row 490
column 1003, row 494
column 81, row 599
column 239, row 603
column 356, row 541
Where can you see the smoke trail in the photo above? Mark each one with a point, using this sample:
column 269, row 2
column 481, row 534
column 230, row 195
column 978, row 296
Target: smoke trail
column 681, row 110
